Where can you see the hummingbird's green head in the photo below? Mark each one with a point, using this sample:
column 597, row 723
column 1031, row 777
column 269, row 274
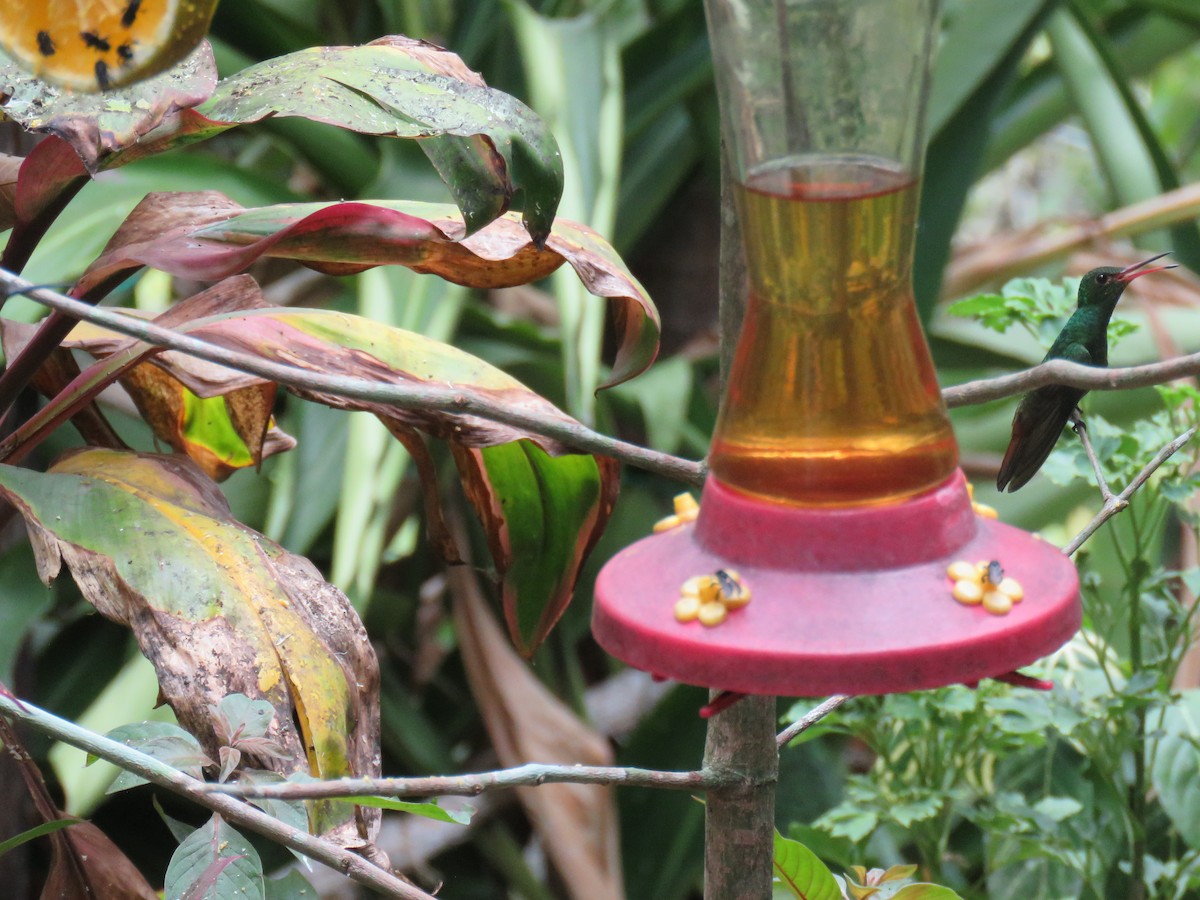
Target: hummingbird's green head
column 1104, row 286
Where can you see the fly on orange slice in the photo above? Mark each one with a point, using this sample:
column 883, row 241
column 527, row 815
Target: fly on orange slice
column 94, row 45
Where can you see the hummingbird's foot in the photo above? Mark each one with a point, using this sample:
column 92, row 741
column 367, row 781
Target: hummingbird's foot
column 1077, row 422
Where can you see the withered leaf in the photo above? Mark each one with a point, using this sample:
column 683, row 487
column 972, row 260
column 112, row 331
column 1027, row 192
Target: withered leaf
column 207, row 236
column 216, row 607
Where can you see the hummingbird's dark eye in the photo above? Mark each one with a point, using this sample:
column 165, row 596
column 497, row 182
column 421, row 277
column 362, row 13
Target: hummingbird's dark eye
column 1102, row 278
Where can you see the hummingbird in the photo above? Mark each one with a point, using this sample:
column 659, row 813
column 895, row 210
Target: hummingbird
column 1043, row 412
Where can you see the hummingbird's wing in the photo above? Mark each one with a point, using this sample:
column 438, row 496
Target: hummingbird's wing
column 1039, row 420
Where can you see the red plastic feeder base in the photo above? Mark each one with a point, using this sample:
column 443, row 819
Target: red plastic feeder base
column 843, row 601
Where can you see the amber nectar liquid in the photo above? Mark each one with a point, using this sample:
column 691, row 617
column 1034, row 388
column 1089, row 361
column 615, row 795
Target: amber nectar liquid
column 832, row 396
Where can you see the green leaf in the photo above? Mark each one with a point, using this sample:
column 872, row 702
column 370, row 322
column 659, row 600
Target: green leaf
column 242, row 717
column 1124, row 130
column 179, row 830
column 25, row 601
column 848, row 821
column 486, row 145
column 1176, row 770
column 801, row 873
column 959, row 139
column 166, row 742
column 215, row 861
column 291, row 812
column 1058, row 808
column 215, row 606
column 916, row 810
column 429, row 810
column 36, row 832
column 542, row 514
column 975, row 44
column 925, row 892
column 292, row 886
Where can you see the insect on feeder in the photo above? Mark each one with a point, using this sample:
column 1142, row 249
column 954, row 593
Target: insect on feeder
column 834, row 507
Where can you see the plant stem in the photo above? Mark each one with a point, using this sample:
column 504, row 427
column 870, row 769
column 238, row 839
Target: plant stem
column 1137, row 790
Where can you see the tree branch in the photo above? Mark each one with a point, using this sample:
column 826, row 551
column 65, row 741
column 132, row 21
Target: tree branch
column 427, row 397
column 470, row 785
column 998, row 259
column 809, row 719
column 239, row 813
column 1113, row 505
column 1060, row 371
column 1079, row 426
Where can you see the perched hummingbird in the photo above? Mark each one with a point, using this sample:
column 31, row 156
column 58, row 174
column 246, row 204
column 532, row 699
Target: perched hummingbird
column 1043, row 412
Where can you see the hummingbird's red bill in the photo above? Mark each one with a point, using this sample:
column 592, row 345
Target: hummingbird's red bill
column 1129, row 273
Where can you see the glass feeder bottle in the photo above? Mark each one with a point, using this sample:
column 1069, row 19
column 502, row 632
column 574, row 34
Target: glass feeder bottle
column 832, row 397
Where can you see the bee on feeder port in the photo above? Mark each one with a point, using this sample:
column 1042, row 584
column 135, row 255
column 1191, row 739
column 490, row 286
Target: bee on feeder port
column 984, row 584
column 733, row 593
column 710, row 598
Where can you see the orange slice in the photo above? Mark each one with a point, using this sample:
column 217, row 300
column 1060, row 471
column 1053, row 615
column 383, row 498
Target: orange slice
column 94, row 45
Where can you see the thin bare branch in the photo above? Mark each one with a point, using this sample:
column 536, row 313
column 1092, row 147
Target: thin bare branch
column 409, row 396
column 1060, row 371
column 809, row 719
column 1114, row 505
column 469, row 785
column 233, row 810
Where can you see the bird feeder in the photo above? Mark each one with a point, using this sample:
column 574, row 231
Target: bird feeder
column 836, row 549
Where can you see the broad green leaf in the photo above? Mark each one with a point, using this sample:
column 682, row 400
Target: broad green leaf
column 179, row 830
column 166, row 742
column 485, row 144
column 975, row 43
column 292, row 886
column 488, row 147
column 924, row 892
column 1058, row 808
column 293, row 812
column 215, row 861
column 1120, row 130
column 957, row 144
column 429, row 810
column 542, row 514
column 25, row 602
column 215, row 606
column 1123, row 156
column 241, row 717
column 206, row 236
column 1176, row 770
column 800, row 872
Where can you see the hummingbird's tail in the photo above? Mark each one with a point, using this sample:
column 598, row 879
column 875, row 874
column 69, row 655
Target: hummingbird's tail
column 1038, row 422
